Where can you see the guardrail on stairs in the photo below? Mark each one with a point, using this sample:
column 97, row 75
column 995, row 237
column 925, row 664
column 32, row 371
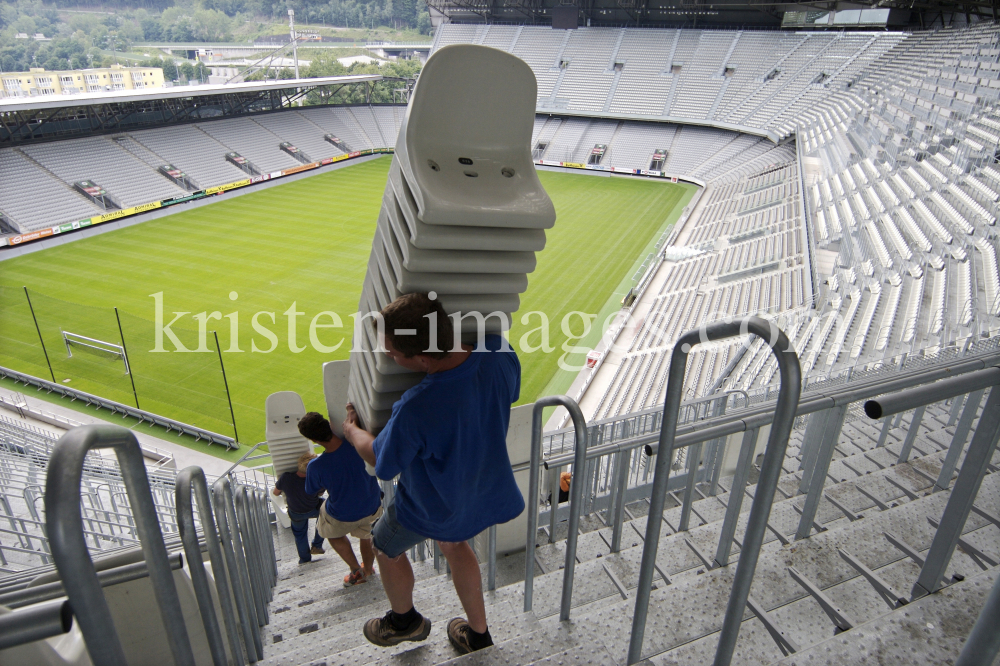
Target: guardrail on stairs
column 783, row 419
column 75, row 590
column 825, row 414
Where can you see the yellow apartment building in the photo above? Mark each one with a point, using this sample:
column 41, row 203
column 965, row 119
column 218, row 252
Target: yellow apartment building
column 38, row 81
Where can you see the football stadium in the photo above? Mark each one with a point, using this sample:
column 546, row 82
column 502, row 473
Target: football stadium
column 746, row 257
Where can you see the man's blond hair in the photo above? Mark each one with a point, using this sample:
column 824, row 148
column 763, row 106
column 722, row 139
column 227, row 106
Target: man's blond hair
column 304, row 461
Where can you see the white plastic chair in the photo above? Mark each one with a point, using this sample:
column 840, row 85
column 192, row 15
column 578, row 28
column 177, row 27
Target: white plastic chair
column 283, row 411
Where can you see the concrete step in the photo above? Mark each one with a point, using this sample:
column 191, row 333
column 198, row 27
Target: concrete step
column 526, row 649
column 931, row 630
column 326, row 603
column 693, row 607
column 804, row 621
column 506, row 623
column 331, row 616
column 355, row 610
column 335, row 633
column 676, row 557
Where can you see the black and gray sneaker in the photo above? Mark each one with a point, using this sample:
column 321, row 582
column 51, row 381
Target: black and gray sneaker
column 465, row 639
column 380, row 631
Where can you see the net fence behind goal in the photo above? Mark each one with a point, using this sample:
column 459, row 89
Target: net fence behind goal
column 110, row 354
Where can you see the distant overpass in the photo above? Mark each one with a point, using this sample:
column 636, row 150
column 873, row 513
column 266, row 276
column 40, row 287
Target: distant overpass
column 235, row 50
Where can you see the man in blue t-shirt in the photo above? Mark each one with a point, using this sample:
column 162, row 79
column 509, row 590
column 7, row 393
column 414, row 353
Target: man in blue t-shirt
column 446, row 440
column 354, row 501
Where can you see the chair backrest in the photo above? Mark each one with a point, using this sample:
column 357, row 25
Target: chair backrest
column 473, row 147
column 283, row 411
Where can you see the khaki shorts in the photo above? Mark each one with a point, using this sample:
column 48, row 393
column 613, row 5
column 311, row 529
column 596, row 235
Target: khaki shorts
column 331, row 528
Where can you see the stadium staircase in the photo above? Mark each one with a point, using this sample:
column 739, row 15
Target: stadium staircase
column 840, row 594
column 315, row 620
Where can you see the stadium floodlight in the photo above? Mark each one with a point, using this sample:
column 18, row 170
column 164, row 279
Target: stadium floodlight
column 94, row 346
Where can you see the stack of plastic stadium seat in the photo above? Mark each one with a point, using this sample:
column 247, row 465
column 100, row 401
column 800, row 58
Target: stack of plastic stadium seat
column 463, row 212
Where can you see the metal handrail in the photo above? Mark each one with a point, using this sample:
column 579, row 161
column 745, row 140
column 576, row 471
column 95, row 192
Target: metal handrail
column 783, row 416
column 261, row 524
column 576, row 498
column 248, row 537
column 194, row 477
column 232, row 546
column 64, row 523
column 109, row 577
column 35, row 623
column 242, row 458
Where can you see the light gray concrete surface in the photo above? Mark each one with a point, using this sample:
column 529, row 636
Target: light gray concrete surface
column 183, row 456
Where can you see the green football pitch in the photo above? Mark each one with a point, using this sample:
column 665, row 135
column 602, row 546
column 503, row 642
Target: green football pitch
column 296, row 247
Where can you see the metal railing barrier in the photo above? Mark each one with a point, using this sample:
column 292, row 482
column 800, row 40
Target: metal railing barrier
column 109, row 577
column 783, row 419
column 232, row 546
column 194, row 478
column 575, row 498
column 974, row 467
column 491, row 567
column 64, row 523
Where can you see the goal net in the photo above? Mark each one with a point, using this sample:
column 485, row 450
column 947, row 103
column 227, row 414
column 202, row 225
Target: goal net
column 93, row 346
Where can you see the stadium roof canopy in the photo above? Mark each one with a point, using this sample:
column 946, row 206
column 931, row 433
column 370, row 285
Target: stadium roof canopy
column 47, row 117
column 701, row 13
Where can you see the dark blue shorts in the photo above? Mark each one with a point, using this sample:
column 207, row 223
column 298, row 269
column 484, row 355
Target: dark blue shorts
column 391, row 538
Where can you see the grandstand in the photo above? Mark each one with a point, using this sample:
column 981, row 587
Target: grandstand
column 848, row 193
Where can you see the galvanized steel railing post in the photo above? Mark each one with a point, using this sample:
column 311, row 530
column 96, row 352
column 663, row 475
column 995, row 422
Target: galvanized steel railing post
column 974, row 467
column 554, row 502
column 812, row 440
column 236, row 565
column 265, row 550
column 491, row 568
column 958, row 440
column 821, row 467
column 911, row 434
column 186, row 479
column 736, row 494
column 693, row 460
column 964, row 493
column 264, row 507
column 64, row 525
column 251, row 548
column 576, row 498
column 621, row 482
column 784, row 415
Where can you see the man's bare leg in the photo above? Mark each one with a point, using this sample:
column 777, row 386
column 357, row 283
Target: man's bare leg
column 346, row 551
column 397, row 579
column 368, row 556
column 468, row 582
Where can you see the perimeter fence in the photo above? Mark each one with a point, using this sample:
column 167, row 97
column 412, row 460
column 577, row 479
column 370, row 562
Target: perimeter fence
column 110, row 353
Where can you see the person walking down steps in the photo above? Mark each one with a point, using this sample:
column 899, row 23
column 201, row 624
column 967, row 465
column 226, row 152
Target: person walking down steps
column 447, row 441
column 353, row 502
column 301, row 507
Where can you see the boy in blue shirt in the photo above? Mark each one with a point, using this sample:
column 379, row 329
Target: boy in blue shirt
column 354, row 501
column 301, row 507
column 446, row 439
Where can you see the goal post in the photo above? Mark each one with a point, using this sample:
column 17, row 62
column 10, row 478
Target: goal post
column 94, row 346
